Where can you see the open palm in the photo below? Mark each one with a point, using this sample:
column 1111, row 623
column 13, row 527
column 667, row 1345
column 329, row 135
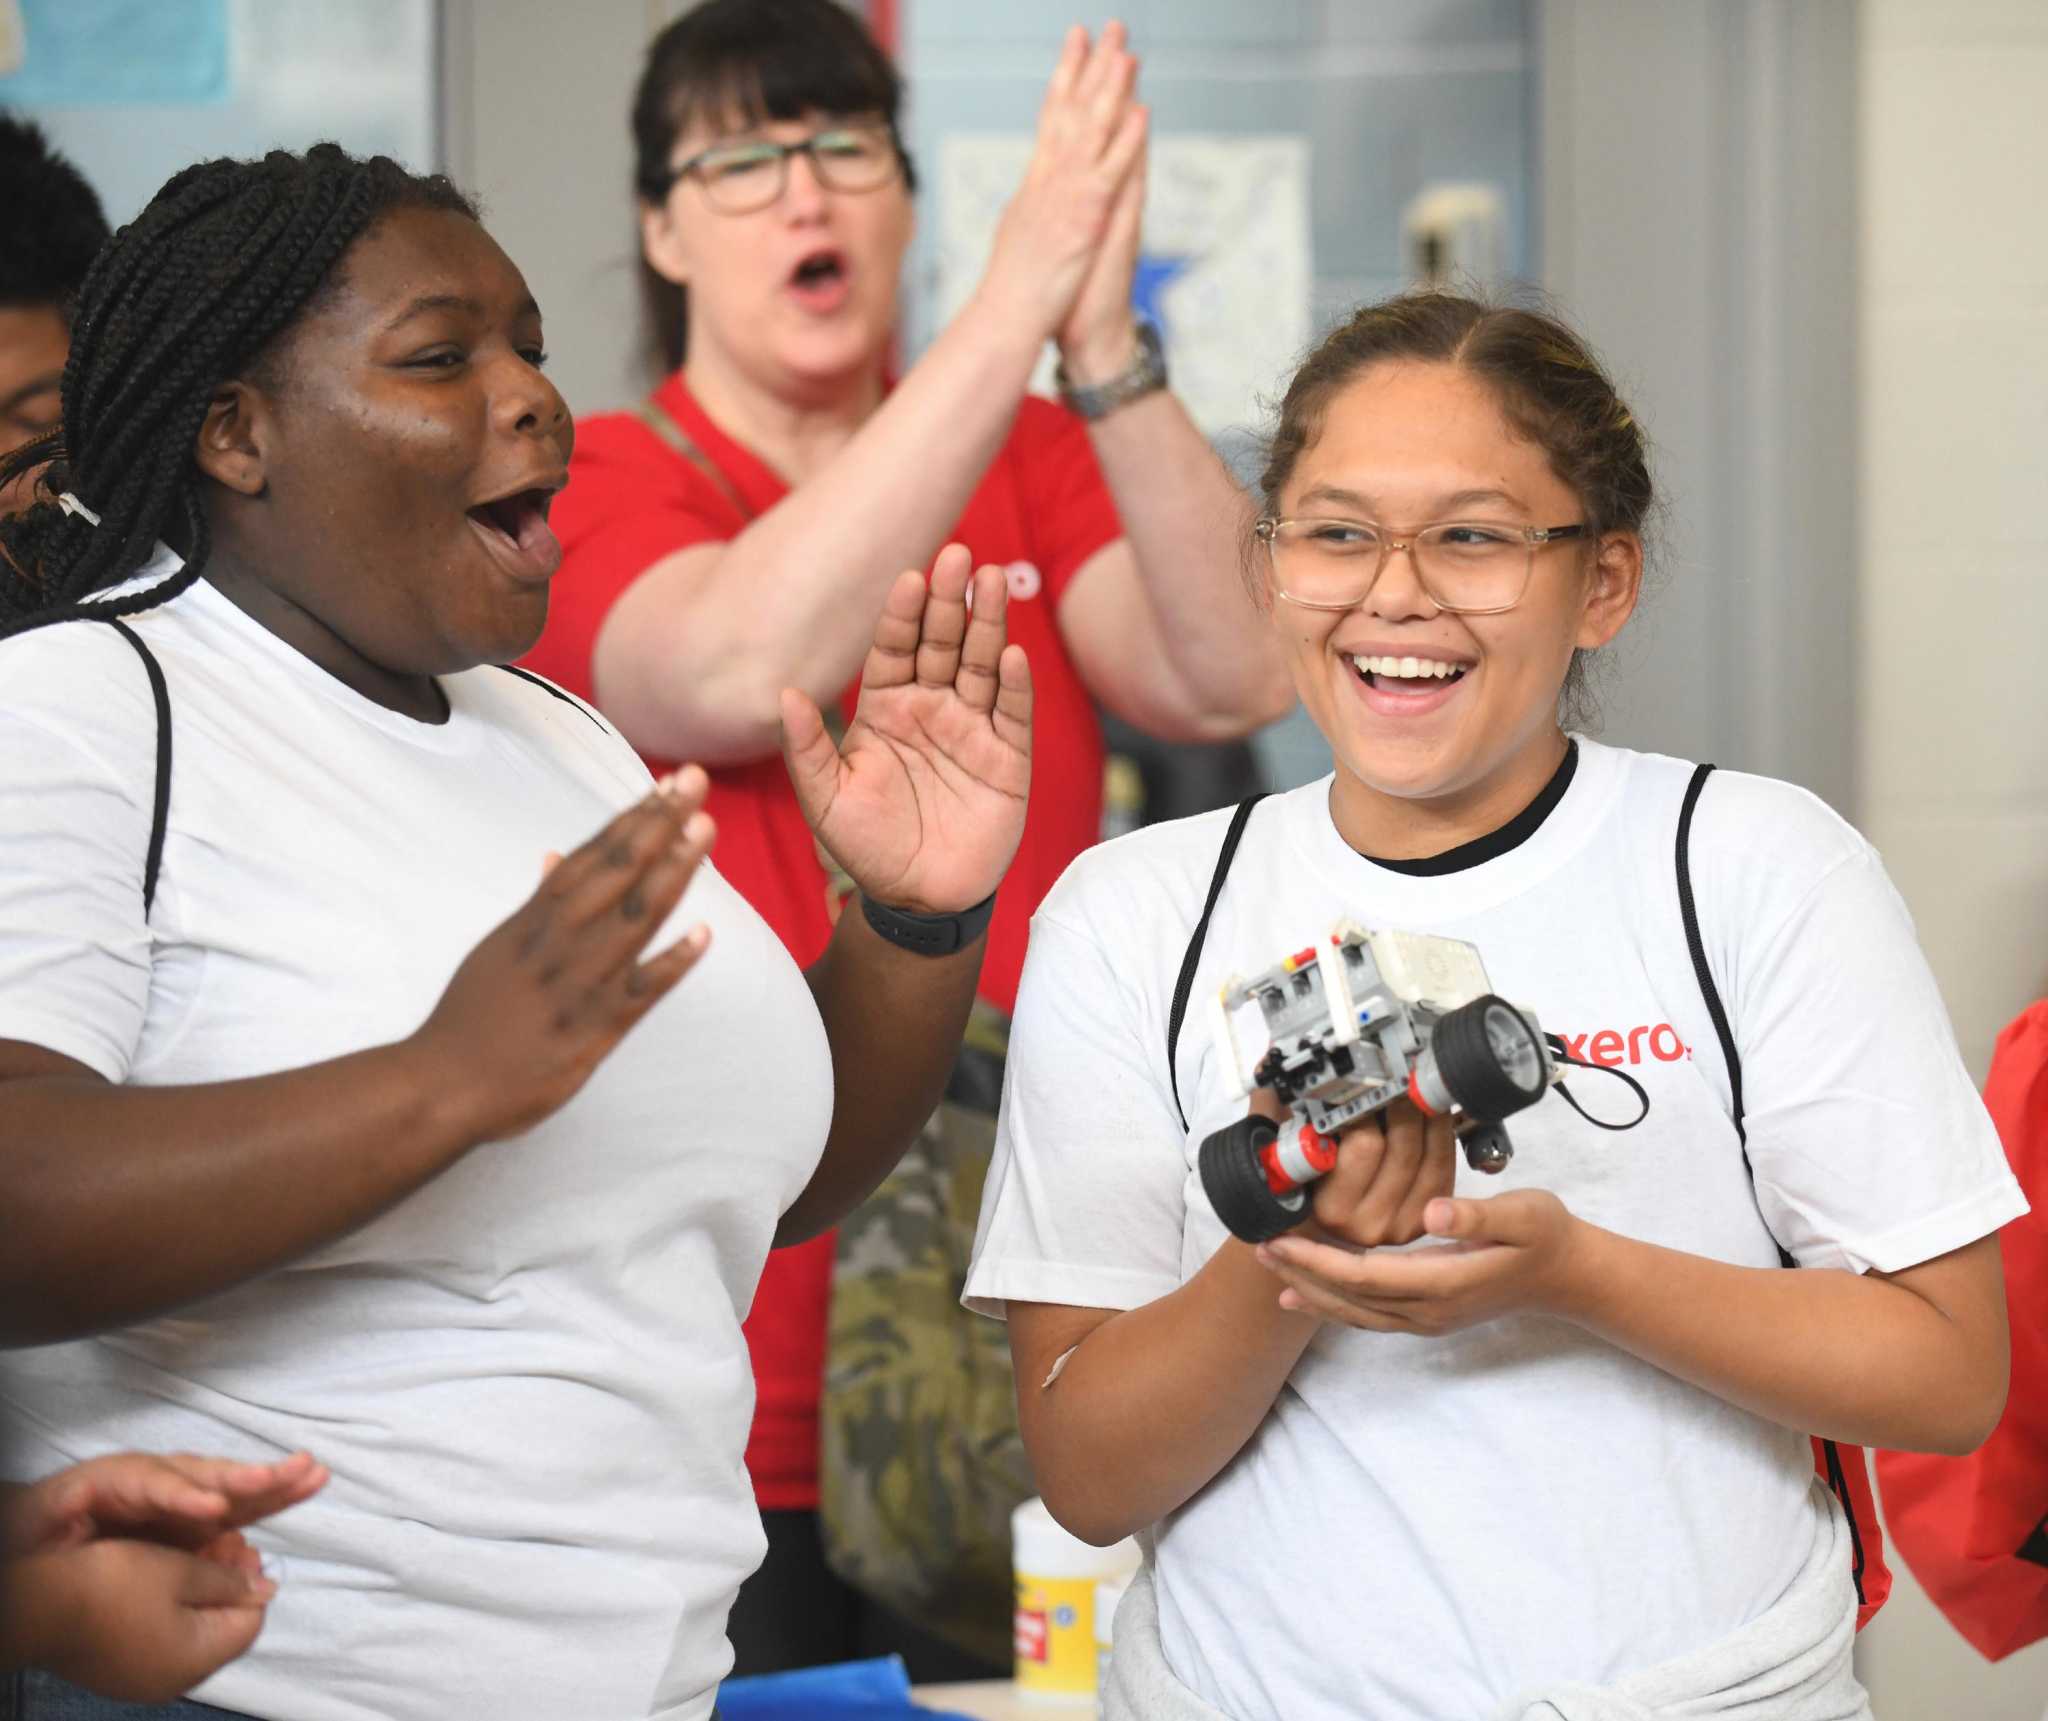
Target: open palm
column 923, row 802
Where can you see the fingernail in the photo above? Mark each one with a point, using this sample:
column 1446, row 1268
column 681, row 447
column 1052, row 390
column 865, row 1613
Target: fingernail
column 273, row 1569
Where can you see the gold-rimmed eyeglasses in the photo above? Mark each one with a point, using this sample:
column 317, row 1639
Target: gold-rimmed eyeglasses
column 739, row 178
column 1470, row 567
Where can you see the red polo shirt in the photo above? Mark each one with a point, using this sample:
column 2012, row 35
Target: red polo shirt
column 1041, row 510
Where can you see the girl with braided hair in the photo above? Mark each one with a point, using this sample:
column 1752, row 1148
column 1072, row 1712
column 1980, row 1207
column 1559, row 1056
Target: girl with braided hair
column 330, row 1102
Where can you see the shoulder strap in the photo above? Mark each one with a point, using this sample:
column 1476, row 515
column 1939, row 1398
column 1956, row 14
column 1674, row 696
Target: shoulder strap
column 547, row 686
column 662, row 422
column 160, row 810
column 1689, row 909
column 1827, row 1454
column 1697, row 945
column 1185, row 984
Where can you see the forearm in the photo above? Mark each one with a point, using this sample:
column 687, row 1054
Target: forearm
column 894, row 1020
column 1853, row 1357
column 122, row 1202
column 791, row 602
column 1188, row 522
column 1154, row 1402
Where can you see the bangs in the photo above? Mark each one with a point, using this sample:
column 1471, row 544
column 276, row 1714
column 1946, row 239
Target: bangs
column 734, row 64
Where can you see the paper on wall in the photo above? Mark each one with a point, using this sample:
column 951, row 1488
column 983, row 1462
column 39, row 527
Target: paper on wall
column 1224, row 272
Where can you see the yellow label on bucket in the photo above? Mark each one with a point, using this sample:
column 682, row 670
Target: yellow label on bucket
column 1055, row 1630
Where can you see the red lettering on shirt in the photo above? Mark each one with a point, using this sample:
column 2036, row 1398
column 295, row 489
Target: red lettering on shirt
column 1610, row 1046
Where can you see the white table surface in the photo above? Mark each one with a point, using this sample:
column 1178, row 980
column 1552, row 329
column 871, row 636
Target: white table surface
column 999, row 1700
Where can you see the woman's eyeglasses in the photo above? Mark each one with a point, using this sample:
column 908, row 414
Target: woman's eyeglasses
column 739, row 178
column 1469, row 567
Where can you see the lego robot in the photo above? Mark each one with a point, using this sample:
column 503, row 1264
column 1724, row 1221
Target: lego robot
column 1351, row 1026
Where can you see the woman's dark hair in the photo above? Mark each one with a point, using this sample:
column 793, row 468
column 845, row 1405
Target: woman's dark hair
column 191, row 293
column 745, row 62
column 51, row 222
column 1551, row 387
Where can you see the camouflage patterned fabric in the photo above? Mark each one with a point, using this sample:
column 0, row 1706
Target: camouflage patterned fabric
column 922, row 1462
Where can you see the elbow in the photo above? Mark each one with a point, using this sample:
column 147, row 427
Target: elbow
column 707, row 719
column 1089, row 1503
column 1090, row 1521
column 1253, row 709
column 1964, row 1418
column 1272, row 700
column 1972, row 1422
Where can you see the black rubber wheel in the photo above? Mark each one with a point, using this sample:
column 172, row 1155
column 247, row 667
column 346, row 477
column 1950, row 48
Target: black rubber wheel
column 1487, row 1147
column 1489, row 1058
column 1235, row 1182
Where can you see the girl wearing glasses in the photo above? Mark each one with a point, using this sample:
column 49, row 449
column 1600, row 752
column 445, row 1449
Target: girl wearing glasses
column 1534, row 1445
column 737, row 534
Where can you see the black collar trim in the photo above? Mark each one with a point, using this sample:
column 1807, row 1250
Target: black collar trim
column 1494, row 844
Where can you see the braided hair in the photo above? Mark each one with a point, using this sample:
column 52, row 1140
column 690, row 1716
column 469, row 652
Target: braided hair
column 191, row 293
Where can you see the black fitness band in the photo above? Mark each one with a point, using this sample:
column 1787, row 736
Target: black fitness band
column 929, row 934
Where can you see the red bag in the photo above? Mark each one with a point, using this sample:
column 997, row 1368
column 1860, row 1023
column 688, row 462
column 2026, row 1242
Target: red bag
column 1975, row 1530
column 1846, row 1471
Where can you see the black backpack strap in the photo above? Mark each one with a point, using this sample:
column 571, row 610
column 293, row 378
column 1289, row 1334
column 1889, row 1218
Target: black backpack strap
column 160, row 811
column 1831, row 1457
column 1697, row 945
column 1185, row 985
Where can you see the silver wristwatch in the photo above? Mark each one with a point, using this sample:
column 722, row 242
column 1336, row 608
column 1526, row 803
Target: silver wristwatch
column 1145, row 372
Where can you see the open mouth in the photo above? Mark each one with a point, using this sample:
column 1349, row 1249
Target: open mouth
column 820, row 275
column 1412, row 675
column 518, row 526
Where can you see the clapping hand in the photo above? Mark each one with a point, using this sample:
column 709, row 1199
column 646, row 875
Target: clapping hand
column 1067, row 243
column 180, row 1500
column 132, row 1578
column 923, row 802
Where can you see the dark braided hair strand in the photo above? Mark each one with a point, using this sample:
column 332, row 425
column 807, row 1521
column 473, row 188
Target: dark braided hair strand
column 190, row 294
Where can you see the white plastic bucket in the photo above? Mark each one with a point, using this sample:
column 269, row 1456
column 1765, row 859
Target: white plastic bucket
column 1057, row 1575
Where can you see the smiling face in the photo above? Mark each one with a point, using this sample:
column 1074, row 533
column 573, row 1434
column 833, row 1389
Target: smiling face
column 385, row 471
column 798, row 296
column 1450, row 746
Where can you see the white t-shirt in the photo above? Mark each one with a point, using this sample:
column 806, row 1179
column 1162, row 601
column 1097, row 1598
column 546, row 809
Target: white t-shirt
column 1424, row 1527
column 528, row 1376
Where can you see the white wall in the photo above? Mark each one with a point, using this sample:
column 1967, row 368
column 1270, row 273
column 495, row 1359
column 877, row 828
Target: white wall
column 1696, row 184
column 1952, row 134
column 535, row 102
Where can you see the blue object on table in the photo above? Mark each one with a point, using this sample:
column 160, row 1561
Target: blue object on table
column 860, row 1690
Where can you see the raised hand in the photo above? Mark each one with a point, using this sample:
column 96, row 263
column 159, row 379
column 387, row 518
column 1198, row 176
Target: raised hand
column 538, row 1005
column 178, row 1500
column 923, row 802
column 1507, row 1254
column 1099, row 338
column 1091, row 139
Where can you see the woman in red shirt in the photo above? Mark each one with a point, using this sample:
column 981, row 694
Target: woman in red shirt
column 738, row 534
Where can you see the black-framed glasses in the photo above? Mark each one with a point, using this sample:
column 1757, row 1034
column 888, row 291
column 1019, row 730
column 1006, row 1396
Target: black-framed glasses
column 739, row 178
column 1470, row 567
